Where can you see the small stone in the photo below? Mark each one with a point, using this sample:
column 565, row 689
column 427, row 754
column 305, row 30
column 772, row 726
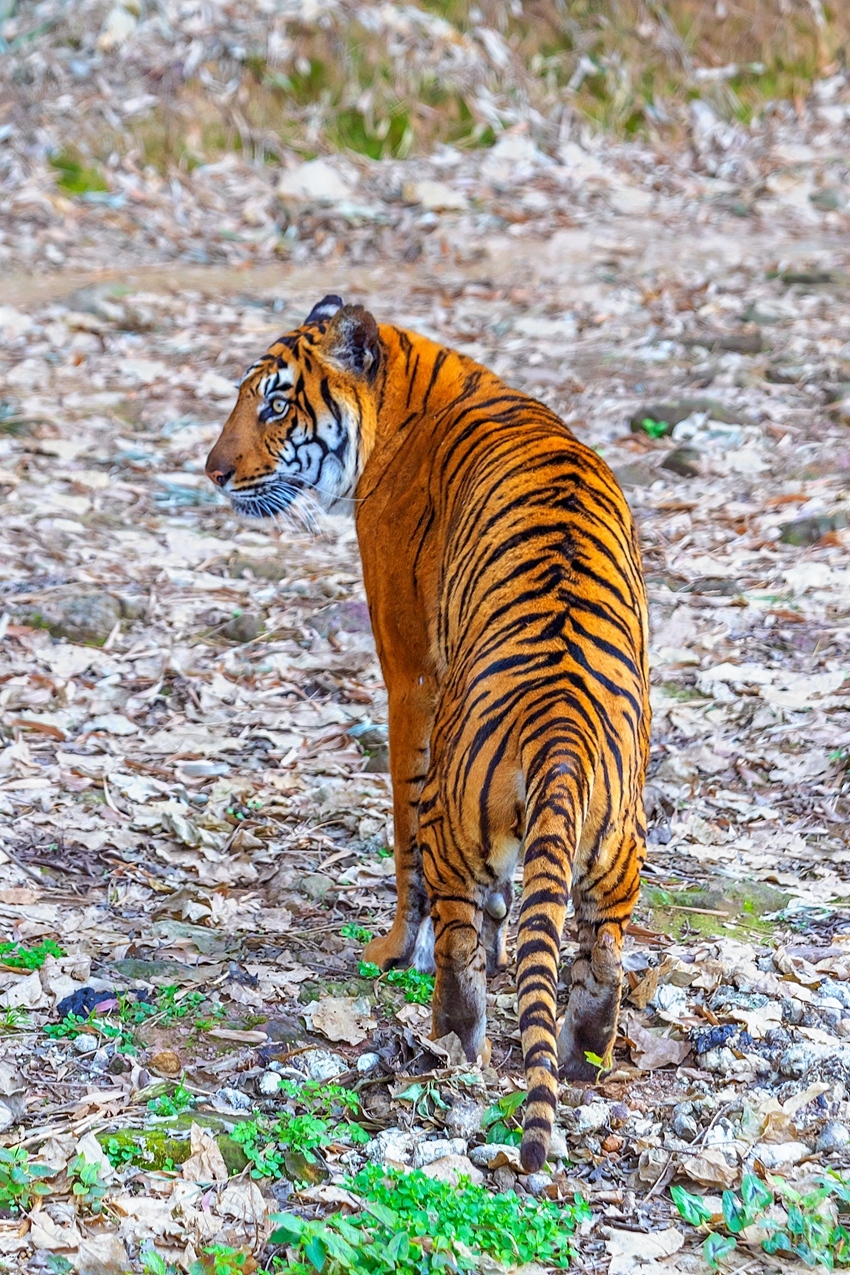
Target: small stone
column 795, row 1062
column 316, row 885
column 720, row 1060
column 367, row 1061
column 537, row 1183
column 612, row 1143
column 86, row 1044
column 315, row 181
column 392, row 1146
column 779, row 1155
column 842, row 1028
column 558, row 1148
column 792, row 1011
column 451, row 1168
column 651, row 1164
column 82, row 617
column 342, row 617
column 490, row 1152
column 463, row 1119
column 437, row 1149
column 321, row 1064
column 684, row 461
column 242, row 628
column 678, row 410
column 618, row 1115
column 834, row 1136
column 269, row 1083
column 166, row 1063
column 829, row 199
column 379, row 761
column 684, row 1124
column 434, row 196
column 232, row 1099
column 808, row 531
column 504, row 1179
column 594, row 1115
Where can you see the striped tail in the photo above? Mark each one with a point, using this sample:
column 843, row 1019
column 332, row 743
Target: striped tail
column 556, row 807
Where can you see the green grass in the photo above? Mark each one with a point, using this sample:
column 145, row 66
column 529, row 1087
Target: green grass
column 20, row 957
column 21, row 1180
column 287, row 1144
column 410, row 1224
column 418, row 987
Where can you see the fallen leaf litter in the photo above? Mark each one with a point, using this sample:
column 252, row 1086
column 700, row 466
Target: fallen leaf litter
column 192, row 773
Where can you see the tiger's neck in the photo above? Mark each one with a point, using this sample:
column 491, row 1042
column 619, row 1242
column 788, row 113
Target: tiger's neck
column 420, row 380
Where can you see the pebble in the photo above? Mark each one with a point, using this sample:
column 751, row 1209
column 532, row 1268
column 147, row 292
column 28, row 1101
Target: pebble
column 504, row 1179
column 779, row 1155
column 684, row 1123
column 795, row 1062
column 463, row 1119
column 451, row 1168
column 242, row 628
column 717, row 1060
column 367, row 1061
column 558, row 1148
column 485, row 1156
column 537, row 1183
column 594, row 1115
column 316, row 885
column 437, row 1149
column 82, row 617
column 234, row 1099
column 684, row 461
column 834, row 1136
column 792, row 1011
column 321, row 1064
column 269, row 1083
column 392, row 1146
column 86, row 1044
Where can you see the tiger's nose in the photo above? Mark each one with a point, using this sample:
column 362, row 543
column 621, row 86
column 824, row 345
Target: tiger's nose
column 220, row 477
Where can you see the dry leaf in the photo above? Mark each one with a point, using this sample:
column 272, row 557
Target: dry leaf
column 710, row 1167
column 102, row 1255
column 344, row 1018
column 206, row 1163
column 650, row 1051
column 244, row 1201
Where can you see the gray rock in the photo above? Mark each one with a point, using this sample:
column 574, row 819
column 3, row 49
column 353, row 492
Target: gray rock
column 504, row 1179
column 321, row 1064
column 451, row 1168
column 379, row 762
column 796, row 1061
column 536, row 1183
column 316, row 885
column 80, row 617
column 834, row 1136
column 392, row 1146
column 367, row 1061
column 86, row 1044
column 242, row 628
column 484, row 1156
column 679, row 409
column 342, row 617
column 719, row 1061
column 558, row 1148
column 684, row 1123
column 463, row 1119
column 792, row 1011
column 594, row 1115
column 808, row 531
column 684, row 461
column 436, row 1149
column 269, row 1083
column 779, row 1155
column 829, row 199
column 232, row 1099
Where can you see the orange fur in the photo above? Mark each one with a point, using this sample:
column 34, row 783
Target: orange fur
column 505, row 589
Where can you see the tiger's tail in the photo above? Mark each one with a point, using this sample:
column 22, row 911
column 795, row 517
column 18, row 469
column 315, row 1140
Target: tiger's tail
column 556, row 806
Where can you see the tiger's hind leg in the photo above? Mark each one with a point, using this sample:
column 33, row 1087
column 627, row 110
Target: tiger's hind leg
column 604, row 897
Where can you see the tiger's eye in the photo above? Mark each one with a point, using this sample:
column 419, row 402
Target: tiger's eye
column 279, row 406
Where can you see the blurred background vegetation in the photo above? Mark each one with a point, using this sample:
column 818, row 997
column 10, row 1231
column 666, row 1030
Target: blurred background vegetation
column 391, row 80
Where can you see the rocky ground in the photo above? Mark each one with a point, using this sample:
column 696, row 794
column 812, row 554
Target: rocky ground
column 193, row 788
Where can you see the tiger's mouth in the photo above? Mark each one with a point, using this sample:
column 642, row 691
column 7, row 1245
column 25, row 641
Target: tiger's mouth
column 266, row 499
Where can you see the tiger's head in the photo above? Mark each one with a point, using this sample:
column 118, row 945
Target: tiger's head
column 305, row 419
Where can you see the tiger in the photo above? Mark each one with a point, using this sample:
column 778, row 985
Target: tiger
column 504, row 584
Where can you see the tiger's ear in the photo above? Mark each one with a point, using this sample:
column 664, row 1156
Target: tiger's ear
column 352, row 342
column 324, row 309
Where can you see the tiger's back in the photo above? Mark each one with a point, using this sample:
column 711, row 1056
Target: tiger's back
column 504, row 584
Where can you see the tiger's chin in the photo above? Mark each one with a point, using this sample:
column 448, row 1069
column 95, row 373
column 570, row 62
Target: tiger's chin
column 265, row 501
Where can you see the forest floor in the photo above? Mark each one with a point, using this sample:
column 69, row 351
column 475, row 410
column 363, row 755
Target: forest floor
column 193, row 792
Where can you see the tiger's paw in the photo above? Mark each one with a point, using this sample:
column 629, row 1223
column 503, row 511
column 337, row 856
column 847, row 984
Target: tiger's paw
column 388, row 953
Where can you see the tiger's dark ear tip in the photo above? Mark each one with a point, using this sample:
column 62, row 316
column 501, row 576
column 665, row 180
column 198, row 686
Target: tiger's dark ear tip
column 353, row 341
column 325, row 309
